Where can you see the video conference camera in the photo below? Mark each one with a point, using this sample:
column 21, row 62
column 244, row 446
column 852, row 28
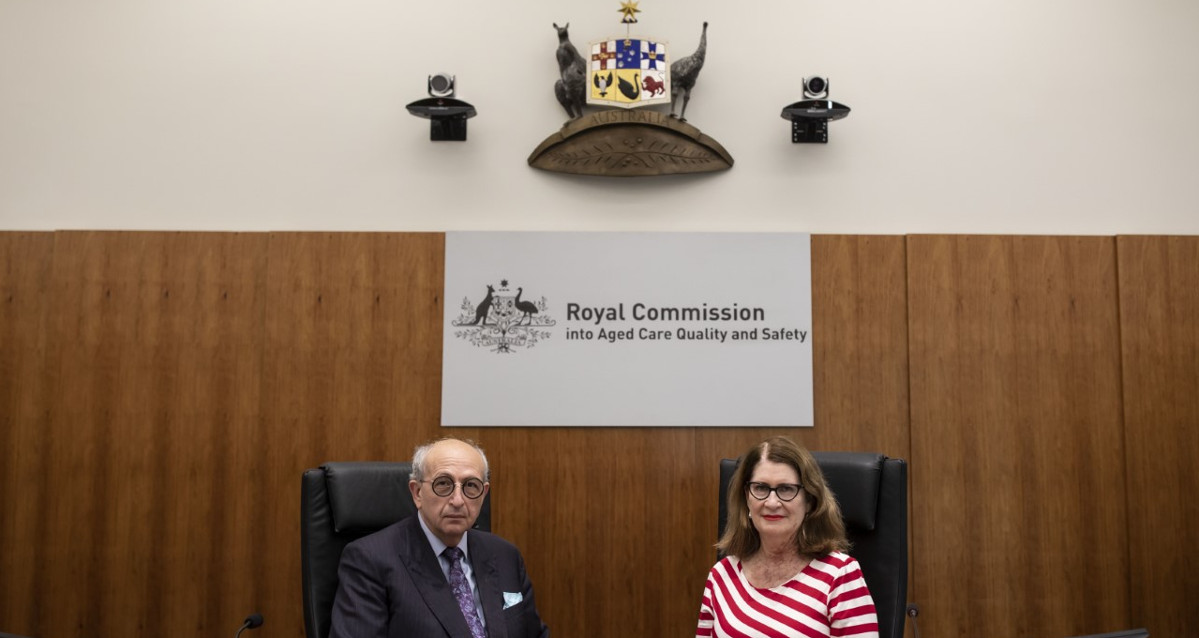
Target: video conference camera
column 811, row 115
column 447, row 115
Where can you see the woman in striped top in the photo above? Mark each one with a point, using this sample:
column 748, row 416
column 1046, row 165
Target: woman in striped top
column 785, row 572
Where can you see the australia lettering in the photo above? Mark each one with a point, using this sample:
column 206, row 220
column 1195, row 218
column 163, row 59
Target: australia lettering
column 618, row 115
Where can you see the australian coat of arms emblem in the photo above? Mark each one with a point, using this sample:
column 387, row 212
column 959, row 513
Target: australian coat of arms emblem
column 502, row 321
column 624, row 73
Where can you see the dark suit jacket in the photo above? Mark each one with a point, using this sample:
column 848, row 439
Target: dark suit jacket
column 390, row 585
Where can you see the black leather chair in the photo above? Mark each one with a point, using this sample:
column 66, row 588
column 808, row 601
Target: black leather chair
column 340, row 502
column 872, row 491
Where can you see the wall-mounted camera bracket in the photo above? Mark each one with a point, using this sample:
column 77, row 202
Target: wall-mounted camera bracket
column 447, row 117
column 810, row 118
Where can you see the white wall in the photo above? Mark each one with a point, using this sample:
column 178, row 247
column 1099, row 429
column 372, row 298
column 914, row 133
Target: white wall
column 994, row 116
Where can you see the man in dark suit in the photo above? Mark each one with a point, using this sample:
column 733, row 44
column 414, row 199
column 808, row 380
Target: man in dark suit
column 430, row 575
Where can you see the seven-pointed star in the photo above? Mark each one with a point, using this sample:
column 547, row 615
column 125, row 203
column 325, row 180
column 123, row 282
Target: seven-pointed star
column 630, row 11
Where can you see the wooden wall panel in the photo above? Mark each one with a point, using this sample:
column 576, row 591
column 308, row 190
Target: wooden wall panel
column 162, row 392
column 336, row 355
column 1159, row 310
column 859, row 307
column 154, row 381
column 25, row 262
column 605, row 520
column 351, row 371
column 1017, row 446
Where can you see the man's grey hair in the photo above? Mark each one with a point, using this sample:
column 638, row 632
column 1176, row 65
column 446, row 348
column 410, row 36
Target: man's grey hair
column 418, row 458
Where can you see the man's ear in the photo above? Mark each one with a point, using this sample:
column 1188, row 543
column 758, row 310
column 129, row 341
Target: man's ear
column 414, row 489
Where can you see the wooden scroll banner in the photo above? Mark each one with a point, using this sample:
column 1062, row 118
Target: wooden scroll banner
column 621, row 143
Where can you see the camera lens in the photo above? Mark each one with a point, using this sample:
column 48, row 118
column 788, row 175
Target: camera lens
column 816, row 85
column 441, row 85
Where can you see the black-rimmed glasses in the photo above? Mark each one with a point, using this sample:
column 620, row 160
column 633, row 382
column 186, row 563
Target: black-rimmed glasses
column 761, row 491
column 444, row 486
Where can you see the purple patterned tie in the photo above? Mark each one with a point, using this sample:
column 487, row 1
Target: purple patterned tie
column 466, row 601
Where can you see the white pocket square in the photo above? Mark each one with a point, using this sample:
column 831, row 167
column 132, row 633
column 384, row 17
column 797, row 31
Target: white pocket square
column 512, row 598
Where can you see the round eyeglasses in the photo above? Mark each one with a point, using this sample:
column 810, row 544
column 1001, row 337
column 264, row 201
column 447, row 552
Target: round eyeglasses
column 761, row 491
column 444, row 486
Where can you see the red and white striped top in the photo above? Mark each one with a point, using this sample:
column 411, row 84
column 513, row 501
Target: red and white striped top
column 827, row 598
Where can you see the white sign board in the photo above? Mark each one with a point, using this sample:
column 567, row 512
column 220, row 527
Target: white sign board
column 627, row 329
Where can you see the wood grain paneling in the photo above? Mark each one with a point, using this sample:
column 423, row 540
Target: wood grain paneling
column 351, row 371
column 25, row 262
column 1017, row 450
column 605, row 520
column 155, row 380
column 342, row 340
column 160, row 394
column 1159, row 311
column 859, row 308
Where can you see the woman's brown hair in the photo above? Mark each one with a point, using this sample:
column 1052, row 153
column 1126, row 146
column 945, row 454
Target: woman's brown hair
column 822, row 531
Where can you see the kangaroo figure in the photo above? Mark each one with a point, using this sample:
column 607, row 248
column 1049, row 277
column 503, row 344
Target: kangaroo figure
column 483, row 308
column 571, row 88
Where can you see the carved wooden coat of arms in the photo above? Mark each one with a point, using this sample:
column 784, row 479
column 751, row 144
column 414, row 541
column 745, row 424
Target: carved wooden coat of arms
column 630, row 76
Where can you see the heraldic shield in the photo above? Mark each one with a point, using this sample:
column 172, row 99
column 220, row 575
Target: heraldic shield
column 629, row 73
column 503, row 311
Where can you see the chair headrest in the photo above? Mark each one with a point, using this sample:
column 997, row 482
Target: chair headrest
column 854, row 477
column 367, row 496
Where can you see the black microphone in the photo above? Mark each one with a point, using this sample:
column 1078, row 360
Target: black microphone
column 252, row 621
